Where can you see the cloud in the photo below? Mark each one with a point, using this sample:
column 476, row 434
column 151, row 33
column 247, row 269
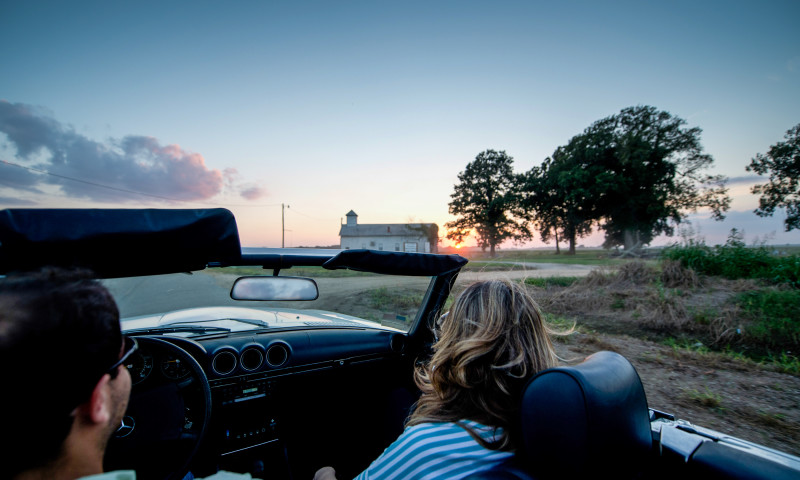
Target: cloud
column 745, row 180
column 16, row 202
column 253, row 193
column 54, row 154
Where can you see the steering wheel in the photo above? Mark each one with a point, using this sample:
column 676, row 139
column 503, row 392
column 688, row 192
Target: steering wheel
column 167, row 416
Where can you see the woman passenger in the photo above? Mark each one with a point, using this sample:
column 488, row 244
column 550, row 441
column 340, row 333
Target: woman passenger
column 488, row 344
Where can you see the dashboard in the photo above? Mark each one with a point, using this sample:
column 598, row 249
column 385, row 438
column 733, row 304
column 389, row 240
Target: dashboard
column 249, row 402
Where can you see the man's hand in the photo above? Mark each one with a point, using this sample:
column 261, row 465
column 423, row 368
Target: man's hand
column 325, row 473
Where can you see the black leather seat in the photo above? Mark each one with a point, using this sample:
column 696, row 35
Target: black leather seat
column 588, row 420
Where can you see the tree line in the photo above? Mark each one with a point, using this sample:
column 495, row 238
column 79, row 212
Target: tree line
column 634, row 175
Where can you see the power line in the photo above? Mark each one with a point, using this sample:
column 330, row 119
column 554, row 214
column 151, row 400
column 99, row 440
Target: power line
column 118, row 189
column 294, row 210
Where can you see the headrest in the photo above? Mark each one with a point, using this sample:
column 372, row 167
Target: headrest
column 588, row 419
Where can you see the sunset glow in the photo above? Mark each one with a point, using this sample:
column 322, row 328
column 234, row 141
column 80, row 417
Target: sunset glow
column 369, row 106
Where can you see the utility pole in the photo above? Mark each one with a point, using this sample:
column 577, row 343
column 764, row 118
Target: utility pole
column 283, row 225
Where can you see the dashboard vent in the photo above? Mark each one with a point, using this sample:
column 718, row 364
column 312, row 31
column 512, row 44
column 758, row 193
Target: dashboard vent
column 251, row 358
column 277, row 354
column 224, row 362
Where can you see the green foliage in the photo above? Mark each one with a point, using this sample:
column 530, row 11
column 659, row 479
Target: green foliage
column 736, row 260
column 707, row 399
column 486, row 200
column 786, row 270
column 785, row 363
column 392, row 300
column 657, row 164
column 562, row 193
column 638, row 172
column 775, row 317
column 583, row 256
column 544, row 282
column 782, row 163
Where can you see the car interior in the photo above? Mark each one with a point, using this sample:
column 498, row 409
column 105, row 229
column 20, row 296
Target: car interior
column 278, row 392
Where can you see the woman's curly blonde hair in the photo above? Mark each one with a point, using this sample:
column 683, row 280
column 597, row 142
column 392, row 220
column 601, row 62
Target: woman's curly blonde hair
column 489, row 343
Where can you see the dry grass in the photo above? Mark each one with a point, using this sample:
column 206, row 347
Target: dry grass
column 675, row 275
column 669, row 300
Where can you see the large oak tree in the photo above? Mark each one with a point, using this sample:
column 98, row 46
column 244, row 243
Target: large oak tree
column 486, row 201
column 659, row 166
column 638, row 173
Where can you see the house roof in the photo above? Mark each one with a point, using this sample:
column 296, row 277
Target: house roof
column 388, row 230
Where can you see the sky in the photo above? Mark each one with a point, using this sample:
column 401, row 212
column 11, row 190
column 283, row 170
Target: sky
column 293, row 113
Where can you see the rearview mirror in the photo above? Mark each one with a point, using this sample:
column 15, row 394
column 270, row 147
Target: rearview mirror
column 274, row 288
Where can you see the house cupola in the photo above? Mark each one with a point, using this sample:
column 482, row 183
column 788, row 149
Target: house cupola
column 352, row 219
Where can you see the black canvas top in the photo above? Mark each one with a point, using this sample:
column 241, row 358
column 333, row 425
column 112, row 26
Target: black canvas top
column 396, row 263
column 118, row 242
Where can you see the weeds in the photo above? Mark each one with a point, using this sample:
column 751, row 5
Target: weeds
column 774, row 317
column 736, row 260
column 674, row 275
column 544, row 282
column 393, row 300
column 706, row 399
column 785, row 363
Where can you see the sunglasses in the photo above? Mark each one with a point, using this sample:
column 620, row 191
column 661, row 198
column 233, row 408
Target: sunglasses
column 131, row 345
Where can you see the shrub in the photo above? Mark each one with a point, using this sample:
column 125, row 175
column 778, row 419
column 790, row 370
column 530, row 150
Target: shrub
column 786, row 270
column 735, row 260
column 694, row 255
column 774, row 315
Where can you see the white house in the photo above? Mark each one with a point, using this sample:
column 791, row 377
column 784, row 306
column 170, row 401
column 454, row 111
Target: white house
column 397, row 237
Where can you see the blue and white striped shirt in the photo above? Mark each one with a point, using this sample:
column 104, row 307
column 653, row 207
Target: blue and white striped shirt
column 435, row 451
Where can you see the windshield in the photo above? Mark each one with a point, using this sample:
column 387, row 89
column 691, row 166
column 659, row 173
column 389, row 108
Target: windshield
column 386, row 300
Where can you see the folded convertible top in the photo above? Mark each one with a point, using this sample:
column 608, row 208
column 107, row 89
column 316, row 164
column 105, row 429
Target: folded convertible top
column 118, row 242
column 396, row 263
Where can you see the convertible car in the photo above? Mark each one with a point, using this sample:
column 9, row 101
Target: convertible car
column 277, row 362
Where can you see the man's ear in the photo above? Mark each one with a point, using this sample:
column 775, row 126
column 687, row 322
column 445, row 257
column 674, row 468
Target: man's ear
column 97, row 409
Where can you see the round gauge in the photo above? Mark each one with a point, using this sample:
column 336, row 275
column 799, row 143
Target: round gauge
column 173, row 368
column 140, row 364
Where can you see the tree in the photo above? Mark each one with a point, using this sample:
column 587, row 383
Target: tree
column 486, row 200
column 782, row 163
column 638, row 173
column 658, row 169
column 561, row 195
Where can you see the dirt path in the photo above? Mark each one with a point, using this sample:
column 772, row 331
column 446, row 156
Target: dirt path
column 737, row 398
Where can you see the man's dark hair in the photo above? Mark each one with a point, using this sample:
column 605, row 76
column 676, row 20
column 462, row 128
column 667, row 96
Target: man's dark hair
column 59, row 333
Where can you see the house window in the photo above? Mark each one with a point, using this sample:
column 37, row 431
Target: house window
column 396, row 247
column 380, row 246
column 410, row 247
column 371, row 244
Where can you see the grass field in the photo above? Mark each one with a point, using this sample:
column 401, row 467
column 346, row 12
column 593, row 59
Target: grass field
column 583, row 256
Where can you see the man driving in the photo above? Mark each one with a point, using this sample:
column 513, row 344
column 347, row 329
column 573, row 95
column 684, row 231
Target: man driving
column 65, row 386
